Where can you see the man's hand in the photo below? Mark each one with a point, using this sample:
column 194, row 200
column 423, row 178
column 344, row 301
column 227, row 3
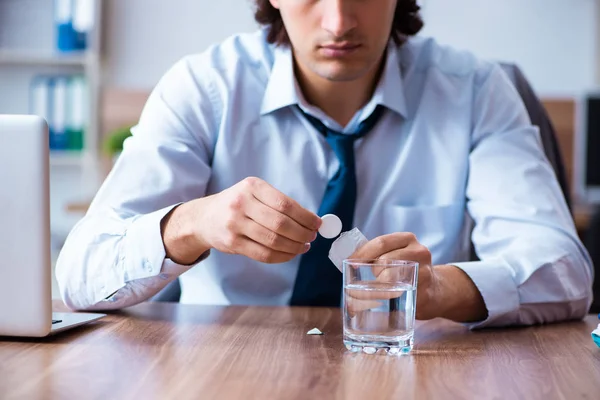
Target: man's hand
column 251, row 218
column 442, row 291
column 405, row 246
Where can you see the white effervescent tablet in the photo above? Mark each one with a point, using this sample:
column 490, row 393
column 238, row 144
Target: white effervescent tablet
column 314, row 331
column 331, row 226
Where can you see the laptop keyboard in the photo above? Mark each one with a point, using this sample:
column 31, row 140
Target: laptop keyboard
column 56, row 321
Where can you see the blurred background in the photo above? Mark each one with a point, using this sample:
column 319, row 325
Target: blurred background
column 89, row 65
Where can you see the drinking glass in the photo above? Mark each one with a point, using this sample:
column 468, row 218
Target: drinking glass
column 379, row 303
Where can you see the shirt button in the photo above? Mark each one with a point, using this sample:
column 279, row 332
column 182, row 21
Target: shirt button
column 147, row 265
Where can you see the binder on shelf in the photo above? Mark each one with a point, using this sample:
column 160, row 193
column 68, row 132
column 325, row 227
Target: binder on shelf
column 58, row 138
column 62, row 101
column 83, row 19
column 74, row 21
column 76, row 101
column 67, row 38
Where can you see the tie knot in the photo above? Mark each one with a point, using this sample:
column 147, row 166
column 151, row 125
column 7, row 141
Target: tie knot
column 343, row 144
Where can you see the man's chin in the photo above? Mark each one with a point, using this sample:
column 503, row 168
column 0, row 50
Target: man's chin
column 341, row 74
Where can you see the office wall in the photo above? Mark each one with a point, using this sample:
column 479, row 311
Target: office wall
column 556, row 42
column 145, row 37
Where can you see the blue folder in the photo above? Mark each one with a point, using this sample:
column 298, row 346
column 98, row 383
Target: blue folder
column 67, row 35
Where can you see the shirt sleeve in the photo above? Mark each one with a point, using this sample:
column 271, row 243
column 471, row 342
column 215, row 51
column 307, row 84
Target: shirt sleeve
column 533, row 268
column 114, row 257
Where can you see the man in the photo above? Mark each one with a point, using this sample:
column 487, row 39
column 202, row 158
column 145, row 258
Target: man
column 333, row 106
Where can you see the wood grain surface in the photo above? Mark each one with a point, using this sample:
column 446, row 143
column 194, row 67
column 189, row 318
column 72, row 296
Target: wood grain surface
column 170, row 351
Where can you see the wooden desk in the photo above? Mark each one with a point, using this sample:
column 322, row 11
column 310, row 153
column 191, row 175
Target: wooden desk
column 167, row 351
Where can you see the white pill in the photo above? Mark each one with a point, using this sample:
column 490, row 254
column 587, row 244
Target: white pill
column 331, row 226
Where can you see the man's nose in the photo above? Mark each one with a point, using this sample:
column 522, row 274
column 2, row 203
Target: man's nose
column 337, row 17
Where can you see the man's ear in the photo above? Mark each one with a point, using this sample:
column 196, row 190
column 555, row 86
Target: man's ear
column 274, row 3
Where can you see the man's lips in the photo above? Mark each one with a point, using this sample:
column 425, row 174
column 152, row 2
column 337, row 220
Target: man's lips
column 339, row 49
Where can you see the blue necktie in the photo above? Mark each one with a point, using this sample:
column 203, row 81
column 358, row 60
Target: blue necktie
column 319, row 282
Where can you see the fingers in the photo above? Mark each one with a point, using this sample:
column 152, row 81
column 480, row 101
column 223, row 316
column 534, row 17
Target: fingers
column 256, row 251
column 354, row 306
column 279, row 223
column 382, row 245
column 357, row 301
column 283, row 204
column 373, row 295
column 271, row 239
column 253, row 219
column 395, row 246
column 414, row 252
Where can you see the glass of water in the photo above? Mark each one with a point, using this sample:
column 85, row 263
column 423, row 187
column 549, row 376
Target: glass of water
column 379, row 305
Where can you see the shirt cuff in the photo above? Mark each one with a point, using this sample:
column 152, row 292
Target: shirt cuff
column 494, row 280
column 143, row 256
column 143, row 248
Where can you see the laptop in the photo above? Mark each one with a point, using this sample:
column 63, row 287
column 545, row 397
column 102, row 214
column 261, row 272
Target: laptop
column 25, row 260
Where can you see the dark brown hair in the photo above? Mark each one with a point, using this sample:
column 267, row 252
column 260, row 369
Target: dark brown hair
column 407, row 21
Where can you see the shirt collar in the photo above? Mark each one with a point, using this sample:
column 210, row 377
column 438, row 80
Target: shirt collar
column 283, row 91
column 390, row 89
column 281, row 88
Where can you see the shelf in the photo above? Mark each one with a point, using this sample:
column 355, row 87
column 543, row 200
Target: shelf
column 66, row 158
column 28, row 48
column 29, row 57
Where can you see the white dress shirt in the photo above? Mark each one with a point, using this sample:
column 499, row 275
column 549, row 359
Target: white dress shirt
column 454, row 159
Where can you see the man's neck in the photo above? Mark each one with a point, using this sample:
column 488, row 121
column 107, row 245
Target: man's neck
column 339, row 100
